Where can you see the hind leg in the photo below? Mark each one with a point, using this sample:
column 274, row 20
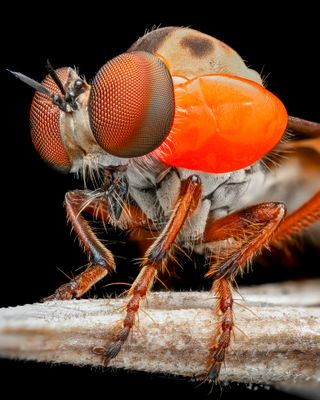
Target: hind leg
column 251, row 229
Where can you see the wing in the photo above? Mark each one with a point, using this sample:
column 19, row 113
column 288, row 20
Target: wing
column 306, row 134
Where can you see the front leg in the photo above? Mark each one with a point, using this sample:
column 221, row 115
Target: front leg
column 101, row 259
column 155, row 259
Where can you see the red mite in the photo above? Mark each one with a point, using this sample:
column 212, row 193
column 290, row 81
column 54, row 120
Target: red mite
column 181, row 131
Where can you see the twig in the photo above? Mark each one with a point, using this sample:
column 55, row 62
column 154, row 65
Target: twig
column 277, row 340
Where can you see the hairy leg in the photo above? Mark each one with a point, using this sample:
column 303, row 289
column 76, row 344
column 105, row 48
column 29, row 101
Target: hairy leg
column 154, row 260
column 101, row 259
column 250, row 230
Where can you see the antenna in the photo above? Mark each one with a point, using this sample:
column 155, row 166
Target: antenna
column 31, row 82
column 55, row 77
column 56, row 99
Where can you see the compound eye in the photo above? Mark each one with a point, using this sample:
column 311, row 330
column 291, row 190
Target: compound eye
column 131, row 105
column 45, row 120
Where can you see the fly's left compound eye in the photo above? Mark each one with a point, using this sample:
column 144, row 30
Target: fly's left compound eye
column 131, row 105
column 45, row 120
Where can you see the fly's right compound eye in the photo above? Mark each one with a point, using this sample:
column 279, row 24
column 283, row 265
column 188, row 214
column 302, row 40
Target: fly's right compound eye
column 45, row 120
column 131, row 105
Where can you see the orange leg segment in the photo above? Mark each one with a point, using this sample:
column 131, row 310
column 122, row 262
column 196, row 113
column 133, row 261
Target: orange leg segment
column 100, row 257
column 102, row 261
column 251, row 229
column 155, row 259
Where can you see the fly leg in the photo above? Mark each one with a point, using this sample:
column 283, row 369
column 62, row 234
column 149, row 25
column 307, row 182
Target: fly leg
column 155, row 259
column 249, row 230
column 102, row 261
column 108, row 204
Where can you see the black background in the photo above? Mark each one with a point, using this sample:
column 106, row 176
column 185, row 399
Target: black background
column 35, row 237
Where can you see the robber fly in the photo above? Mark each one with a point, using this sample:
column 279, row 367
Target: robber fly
column 182, row 132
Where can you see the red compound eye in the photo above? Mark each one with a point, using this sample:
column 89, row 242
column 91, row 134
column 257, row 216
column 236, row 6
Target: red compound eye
column 46, row 126
column 222, row 123
column 131, row 104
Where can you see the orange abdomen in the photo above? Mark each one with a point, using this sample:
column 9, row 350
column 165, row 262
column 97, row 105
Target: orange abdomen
column 222, row 123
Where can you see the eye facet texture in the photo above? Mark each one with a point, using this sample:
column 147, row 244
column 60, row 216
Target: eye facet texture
column 131, row 105
column 45, row 124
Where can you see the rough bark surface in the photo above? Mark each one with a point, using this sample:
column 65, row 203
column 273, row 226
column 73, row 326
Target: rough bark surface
column 277, row 335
